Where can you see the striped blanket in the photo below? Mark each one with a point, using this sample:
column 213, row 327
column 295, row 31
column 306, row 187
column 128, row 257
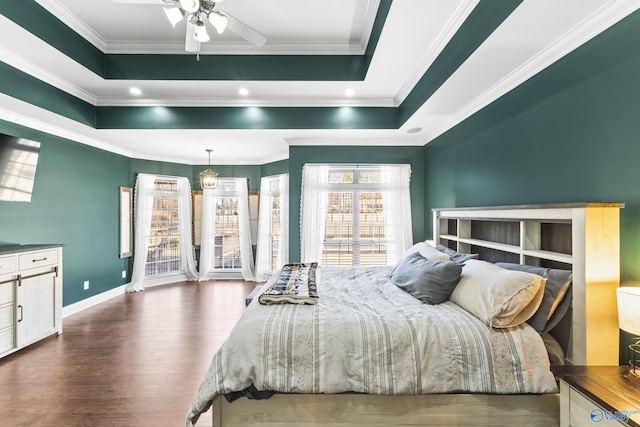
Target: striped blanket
column 296, row 284
column 366, row 335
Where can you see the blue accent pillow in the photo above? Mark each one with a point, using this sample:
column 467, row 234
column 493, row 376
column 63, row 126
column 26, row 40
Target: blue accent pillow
column 557, row 295
column 430, row 281
column 456, row 256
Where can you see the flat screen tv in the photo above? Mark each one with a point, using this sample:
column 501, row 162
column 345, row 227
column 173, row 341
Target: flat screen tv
column 18, row 162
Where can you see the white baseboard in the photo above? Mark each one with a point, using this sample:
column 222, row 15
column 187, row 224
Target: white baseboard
column 91, row 301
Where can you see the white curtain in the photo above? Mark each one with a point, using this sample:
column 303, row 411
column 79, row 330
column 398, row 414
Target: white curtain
column 313, row 211
column 227, row 187
column 265, row 217
column 143, row 210
column 396, row 200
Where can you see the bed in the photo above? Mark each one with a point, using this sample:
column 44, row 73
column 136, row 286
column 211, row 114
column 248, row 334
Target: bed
column 369, row 353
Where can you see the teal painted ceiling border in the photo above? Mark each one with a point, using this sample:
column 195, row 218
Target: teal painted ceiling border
column 483, row 20
column 33, row 17
column 247, row 117
column 236, row 67
column 27, row 88
column 42, row 24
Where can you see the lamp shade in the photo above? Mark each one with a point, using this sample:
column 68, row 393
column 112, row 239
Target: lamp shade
column 174, row 14
column 629, row 309
column 219, row 21
column 201, row 32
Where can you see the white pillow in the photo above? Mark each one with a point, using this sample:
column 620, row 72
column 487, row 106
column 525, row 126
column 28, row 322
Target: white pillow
column 500, row 298
column 427, row 251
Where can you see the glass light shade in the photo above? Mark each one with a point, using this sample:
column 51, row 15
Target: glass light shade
column 201, row 32
column 208, row 179
column 219, row 21
column 174, row 15
column 190, row 6
column 629, row 309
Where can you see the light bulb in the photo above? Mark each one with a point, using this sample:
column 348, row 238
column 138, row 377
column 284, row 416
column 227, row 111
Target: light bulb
column 190, row 6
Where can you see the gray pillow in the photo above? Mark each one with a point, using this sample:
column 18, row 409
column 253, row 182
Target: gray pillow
column 556, row 299
column 430, row 281
column 456, row 256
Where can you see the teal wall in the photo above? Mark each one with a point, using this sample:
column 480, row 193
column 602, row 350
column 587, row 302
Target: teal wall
column 74, row 203
column 299, row 155
column 569, row 134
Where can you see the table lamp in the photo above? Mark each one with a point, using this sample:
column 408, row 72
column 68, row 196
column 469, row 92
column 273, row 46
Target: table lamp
column 629, row 320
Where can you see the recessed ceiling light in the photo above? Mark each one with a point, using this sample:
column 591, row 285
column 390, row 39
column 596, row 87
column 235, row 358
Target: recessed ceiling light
column 349, row 92
column 414, row 130
column 243, row 91
column 135, row 91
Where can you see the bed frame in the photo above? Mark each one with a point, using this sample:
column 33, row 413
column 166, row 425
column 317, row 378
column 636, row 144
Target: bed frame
column 583, row 237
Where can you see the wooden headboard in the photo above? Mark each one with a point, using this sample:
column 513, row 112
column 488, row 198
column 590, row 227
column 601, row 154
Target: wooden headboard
column 583, row 237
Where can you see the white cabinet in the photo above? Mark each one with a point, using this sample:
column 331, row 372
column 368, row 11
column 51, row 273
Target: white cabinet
column 30, row 295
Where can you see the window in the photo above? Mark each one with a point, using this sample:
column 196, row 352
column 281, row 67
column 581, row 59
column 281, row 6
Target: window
column 273, row 225
column 355, row 223
column 162, row 207
column 355, row 216
column 226, row 238
column 226, row 247
column 163, row 253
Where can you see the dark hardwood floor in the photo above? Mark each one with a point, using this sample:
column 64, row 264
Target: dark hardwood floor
column 134, row 360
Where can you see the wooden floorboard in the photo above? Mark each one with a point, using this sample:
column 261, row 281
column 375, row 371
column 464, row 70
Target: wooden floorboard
column 134, row 360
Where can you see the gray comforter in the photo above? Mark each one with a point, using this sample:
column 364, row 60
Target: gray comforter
column 366, row 335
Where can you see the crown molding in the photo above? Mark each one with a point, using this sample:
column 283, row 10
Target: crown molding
column 231, row 48
column 457, row 18
column 70, row 20
column 361, row 39
column 30, row 116
column 394, row 142
column 608, row 15
column 356, row 46
column 244, row 102
column 39, row 73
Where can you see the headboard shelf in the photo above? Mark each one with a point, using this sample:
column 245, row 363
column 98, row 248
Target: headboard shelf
column 583, row 237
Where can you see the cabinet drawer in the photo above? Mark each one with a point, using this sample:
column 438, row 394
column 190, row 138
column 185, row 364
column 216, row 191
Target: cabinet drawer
column 585, row 413
column 7, row 265
column 38, row 259
column 6, row 340
column 6, row 292
column 6, row 316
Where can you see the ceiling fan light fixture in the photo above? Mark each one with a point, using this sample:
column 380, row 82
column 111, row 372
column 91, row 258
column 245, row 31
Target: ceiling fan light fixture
column 190, row 6
column 174, row 15
column 218, row 20
column 200, row 33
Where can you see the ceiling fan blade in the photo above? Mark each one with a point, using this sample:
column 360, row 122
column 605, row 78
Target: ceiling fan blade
column 245, row 31
column 190, row 42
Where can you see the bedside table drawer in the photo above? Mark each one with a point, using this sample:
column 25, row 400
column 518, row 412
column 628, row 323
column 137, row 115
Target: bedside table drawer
column 584, row 412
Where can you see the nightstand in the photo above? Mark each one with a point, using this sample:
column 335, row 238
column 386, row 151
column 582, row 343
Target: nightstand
column 597, row 396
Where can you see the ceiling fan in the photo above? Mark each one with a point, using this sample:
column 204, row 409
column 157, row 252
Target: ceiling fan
column 197, row 12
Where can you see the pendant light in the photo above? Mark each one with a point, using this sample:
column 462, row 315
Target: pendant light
column 209, row 178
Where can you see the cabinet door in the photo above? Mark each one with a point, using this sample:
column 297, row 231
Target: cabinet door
column 35, row 309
